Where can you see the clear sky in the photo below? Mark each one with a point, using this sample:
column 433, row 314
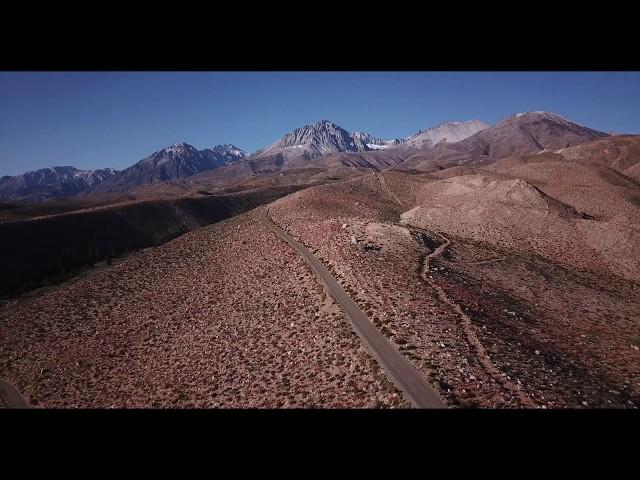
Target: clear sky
column 113, row 119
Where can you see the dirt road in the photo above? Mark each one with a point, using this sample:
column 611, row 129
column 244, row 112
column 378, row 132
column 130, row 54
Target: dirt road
column 402, row 373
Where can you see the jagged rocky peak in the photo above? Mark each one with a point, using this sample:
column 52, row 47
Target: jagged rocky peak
column 322, row 134
column 322, row 138
column 178, row 148
column 229, row 149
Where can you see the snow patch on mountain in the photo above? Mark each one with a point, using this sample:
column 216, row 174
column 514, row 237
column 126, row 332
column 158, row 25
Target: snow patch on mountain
column 322, row 138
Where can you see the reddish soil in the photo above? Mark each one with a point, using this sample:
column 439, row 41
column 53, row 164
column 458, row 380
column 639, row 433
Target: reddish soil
column 353, row 226
column 509, row 285
column 570, row 337
column 41, row 251
column 225, row 316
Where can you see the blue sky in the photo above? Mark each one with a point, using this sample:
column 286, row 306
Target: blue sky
column 113, row 119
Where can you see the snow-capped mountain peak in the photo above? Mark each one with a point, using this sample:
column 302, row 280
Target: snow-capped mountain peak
column 229, row 149
column 323, row 138
column 179, row 147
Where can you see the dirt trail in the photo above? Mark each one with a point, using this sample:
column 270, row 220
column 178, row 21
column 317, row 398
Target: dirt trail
column 467, row 325
column 399, row 370
column 387, row 189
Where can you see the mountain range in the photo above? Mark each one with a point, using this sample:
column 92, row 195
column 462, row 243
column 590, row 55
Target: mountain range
column 519, row 134
column 45, row 183
column 495, row 265
column 177, row 161
column 322, row 144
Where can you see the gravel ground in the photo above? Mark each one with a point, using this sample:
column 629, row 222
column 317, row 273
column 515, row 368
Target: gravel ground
column 386, row 281
column 226, row 316
column 583, row 325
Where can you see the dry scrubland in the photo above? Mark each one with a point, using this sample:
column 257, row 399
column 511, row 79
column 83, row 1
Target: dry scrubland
column 506, row 285
column 225, row 316
column 41, row 251
column 522, row 332
column 388, row 284
column 512, row 213
column 571, row 336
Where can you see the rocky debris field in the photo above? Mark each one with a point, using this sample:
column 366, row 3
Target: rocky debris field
column 231, row 316
column 225, row 316
column 387, row 283
column 533, row 352
column 514, row 214
column 570, row 337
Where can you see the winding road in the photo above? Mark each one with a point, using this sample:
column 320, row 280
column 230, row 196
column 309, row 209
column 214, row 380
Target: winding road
column 402, row 373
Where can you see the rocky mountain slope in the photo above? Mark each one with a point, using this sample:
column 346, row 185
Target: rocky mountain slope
column 51, row 182
column 319, row 139
column 331, row 146
column 176, row 161
column 518, row 134
column 450, row 132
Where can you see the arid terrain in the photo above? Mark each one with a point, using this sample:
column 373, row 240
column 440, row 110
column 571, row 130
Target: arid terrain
column 499, row 270
column 228, row 315
column 47, row 248
column 493, row 326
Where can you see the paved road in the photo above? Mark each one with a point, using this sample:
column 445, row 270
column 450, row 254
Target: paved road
column 402, row 373
column 12, row 395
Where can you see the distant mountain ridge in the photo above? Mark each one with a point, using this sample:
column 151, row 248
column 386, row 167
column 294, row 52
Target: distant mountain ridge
column 519, row 134
column 176, row 161
column 53, row 182
column 322, row 144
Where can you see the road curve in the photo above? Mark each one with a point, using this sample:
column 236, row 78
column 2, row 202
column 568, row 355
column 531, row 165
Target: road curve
column 12, row 395
column 402, row 373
